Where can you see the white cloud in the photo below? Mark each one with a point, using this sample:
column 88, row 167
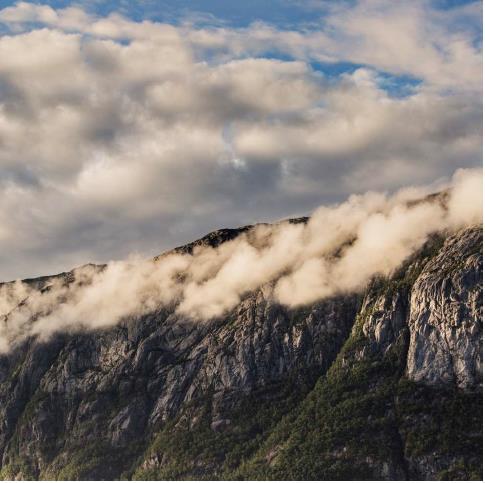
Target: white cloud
column 118, row 135
column 402, row 37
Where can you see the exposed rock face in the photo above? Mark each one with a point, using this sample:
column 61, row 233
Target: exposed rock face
column 116, row 386
column 446, row 315
column 163, row 397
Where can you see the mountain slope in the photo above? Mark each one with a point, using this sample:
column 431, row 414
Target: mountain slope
column 403, row 399
column 380, row 384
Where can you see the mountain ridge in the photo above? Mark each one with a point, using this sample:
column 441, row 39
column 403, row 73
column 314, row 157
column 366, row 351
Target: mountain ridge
column 160, row 397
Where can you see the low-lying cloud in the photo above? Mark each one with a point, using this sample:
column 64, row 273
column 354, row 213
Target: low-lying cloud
column 338, row 250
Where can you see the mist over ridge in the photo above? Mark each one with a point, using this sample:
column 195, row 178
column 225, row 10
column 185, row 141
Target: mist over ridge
column 339, row 249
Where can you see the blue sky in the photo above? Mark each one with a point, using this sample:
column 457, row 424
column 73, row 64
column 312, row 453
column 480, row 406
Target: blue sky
column 288, row 13
column 278, row 12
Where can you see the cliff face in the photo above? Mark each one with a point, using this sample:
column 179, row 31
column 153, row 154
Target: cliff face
column 383, row 384
column 445, row 317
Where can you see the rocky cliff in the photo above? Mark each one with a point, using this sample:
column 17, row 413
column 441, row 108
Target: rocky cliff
column 382, row 384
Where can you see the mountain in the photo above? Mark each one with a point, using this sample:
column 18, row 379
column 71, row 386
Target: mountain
column 385, row 383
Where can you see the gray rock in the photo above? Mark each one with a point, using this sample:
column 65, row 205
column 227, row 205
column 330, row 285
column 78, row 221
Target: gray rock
column 446, row 315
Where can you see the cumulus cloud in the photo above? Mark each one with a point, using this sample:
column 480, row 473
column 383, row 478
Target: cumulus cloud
column 405, row 37
column 339, row 249
column 119, row 136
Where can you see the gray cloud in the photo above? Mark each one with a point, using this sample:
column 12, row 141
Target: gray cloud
column 118, row 136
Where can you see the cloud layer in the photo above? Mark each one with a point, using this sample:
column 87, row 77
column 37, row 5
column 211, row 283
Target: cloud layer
column 338, row 250
column 119, row 136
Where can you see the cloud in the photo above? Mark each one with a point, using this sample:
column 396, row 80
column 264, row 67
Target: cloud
column 338, row 250
column 119, row 136
column 403, row 37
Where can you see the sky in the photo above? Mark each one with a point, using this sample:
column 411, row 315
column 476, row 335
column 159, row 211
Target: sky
column 135, row 126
